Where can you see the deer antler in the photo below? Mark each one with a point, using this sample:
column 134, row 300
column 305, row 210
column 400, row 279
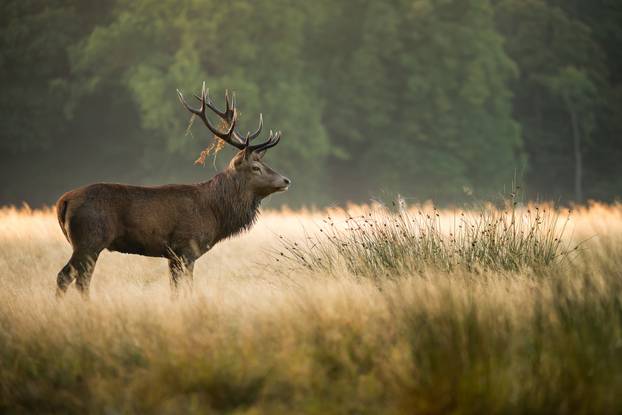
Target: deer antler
column 229, row 115
column 270, row 142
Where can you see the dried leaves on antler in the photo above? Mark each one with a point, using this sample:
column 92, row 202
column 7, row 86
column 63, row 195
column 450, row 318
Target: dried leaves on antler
column 216, row 145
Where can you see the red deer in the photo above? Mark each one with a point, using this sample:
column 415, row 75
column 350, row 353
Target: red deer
column 179, row 222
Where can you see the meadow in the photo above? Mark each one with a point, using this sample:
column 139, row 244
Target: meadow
column 308, row 313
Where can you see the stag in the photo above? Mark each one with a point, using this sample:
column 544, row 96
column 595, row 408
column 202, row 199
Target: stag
column 179, row 222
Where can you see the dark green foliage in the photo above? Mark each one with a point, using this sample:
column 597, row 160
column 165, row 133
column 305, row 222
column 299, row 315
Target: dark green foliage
column 550, row 40
column 435, row 99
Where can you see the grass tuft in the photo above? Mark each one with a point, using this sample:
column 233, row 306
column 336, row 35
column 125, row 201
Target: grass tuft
column 399, row 241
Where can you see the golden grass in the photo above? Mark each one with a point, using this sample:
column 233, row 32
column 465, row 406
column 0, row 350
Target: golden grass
column 258, row 337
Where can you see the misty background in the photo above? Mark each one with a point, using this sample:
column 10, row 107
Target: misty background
column 445, row 100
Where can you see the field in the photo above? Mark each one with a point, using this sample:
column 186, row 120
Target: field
column 261, row 333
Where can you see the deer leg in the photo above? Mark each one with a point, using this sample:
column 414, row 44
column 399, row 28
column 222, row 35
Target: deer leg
column 85, row 272
column 80, row 267
column 64, row 279
column 181, row 269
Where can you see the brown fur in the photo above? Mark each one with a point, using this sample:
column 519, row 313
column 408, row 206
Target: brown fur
column 178, row 222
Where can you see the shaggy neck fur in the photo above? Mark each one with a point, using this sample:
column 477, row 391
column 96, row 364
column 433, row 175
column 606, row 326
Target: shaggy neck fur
column 232, row 203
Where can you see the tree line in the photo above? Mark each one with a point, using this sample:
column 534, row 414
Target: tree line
column 433, row 99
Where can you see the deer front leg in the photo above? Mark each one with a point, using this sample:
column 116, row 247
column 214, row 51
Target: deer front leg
column 181, row 269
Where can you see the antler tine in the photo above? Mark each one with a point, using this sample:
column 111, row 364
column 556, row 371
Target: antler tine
column 227, row 101
column 258, row 131
column 269, row 143
column 226, row 135
column 227, row 114
column 188, row 107
column 250, row 137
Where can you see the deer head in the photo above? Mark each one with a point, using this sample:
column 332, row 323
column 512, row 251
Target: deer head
column 247, row 164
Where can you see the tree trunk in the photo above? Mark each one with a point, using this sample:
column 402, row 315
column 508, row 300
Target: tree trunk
column 578, row 156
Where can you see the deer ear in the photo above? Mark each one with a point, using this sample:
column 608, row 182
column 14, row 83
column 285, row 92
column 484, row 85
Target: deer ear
column 254, row 155
column 258, row 155
column 239, row 158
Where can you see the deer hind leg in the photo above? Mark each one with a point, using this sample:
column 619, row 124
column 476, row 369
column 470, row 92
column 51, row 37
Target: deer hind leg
column 64, row 279
column 80, row 267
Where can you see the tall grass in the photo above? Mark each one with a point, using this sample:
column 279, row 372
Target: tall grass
column 391, row 242
column 277, row 339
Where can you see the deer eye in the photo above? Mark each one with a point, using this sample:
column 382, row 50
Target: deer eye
column 256, row 169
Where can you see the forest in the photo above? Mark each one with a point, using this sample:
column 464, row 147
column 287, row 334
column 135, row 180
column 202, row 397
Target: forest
column 443, row 100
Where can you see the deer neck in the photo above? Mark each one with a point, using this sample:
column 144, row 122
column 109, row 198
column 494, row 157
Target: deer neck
column 233, row 205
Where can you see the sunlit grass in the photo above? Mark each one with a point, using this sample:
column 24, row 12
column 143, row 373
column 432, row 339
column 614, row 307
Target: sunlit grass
column 261, row 336
column 394, row 242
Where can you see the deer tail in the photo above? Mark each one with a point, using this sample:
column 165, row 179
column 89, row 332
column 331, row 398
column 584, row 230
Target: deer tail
column 61, row 211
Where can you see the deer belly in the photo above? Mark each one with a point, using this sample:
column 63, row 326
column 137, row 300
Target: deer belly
column 129, row 245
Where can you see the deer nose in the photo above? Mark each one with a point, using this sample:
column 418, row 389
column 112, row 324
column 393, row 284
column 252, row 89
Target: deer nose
column 286, row 180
